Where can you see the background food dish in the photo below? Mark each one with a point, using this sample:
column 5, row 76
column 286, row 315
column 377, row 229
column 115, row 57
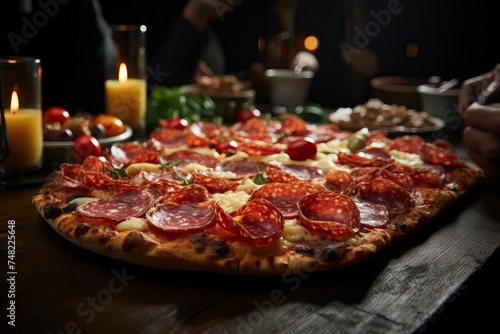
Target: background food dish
column 61, row 151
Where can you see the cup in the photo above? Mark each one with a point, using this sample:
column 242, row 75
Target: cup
column 288, row 88
column 20, row 96
column 125, row 86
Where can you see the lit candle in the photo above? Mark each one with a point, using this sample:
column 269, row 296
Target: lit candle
column 126, row 99
column 25, row 132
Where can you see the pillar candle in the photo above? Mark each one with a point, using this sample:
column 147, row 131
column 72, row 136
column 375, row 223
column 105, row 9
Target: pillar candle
column 126, row 99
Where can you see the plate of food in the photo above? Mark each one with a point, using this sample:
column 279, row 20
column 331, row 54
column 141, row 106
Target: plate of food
column 90, row 133
column 393, row 118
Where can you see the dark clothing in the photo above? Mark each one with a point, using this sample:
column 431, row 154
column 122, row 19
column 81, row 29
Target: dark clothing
column 73, row 42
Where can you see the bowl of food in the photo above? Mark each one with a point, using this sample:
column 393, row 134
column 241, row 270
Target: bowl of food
column 401, row 90
column 72, row 138
column 227, row 92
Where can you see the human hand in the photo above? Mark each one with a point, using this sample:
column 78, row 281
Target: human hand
column 199, row 12
column 482, row 136
column 483, row 89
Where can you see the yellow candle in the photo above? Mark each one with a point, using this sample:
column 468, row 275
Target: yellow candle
column 126, row 99
column 25, row 132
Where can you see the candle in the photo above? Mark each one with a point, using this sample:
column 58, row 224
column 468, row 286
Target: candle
column 126, row 99
column 25, row 132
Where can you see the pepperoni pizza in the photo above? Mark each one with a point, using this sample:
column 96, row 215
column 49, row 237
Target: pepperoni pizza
column 260, row 197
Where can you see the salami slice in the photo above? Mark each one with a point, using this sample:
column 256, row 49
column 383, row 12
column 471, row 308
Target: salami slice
column 329, row 212
column 186, row 157
column 192, row 193
column 166, row 138
column 360, row 160
column 119, row 207
column 439, row 156
column 241, row 168
column 384, row 192
column 174, row 217
column 258, row 222
column 338, row 180
column 372, row 214
column 213, row 184
column 285, row 196
column 370, row 174
column 120, row 154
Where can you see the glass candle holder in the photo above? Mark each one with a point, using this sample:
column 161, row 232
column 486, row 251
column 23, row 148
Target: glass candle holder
column 20, row 89
column 125, row 86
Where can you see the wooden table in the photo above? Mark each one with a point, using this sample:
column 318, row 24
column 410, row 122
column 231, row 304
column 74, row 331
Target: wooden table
column 441, row 276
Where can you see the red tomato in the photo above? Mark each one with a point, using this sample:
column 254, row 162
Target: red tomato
column 84, row 146
column 302, row 149
column 247, row 113
column 226, row 146
column 55, row 115
column 113, row 126
column 173, row 123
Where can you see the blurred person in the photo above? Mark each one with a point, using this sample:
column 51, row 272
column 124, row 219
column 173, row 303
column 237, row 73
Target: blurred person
column 479, row 107
column 73, row 42
column 189, row 39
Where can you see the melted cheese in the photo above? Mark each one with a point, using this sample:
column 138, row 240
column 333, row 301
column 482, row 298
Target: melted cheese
column 82, row 200
column 231, row 200
column 132, row 224
column 407, row 159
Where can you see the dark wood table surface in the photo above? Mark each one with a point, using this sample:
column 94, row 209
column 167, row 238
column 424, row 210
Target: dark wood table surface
column 443, row 277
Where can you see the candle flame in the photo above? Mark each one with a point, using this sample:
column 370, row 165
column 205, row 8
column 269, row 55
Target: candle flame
column 122, row 74
column 14, row 103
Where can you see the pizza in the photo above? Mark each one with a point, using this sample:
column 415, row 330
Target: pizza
column 260, row 197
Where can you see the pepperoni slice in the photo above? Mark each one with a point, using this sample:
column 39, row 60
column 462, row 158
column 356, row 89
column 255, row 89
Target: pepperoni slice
column 294, row 126
column 275, row 174
column 258, row 222
column 286, row 195
column 242, row 168
column 304, row 172
column 166, row 138
column 121, row 153
column 359, row 160
column 338, row 180
column 329, row 212
column 372, row 214
column 384, row 192
column 149, row 156
column 192, row 193
column 213, row 184
column 93, row 164
column 187, row 157
column 439, row 156
column 119, row 207
column 370, row 174
column 259, row 147
column 174, row 217
column 408, row 144
column 193, row 140
column 326, row 132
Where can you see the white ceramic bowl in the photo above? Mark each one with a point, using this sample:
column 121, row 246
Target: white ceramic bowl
column 56, row 152
column 441, row 104
column 288, row 88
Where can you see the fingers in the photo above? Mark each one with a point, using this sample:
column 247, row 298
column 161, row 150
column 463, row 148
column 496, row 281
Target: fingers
column 484, row 149
column 483, row 117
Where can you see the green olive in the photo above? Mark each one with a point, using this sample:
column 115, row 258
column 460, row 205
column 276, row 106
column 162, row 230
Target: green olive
column 358, row 140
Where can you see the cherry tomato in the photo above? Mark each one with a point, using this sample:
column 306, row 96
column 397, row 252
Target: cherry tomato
column 113, row 125
column 226, row 146
column 84, row 146
column 247, row 113
column 173, row 123
column 55, row 115
column 302, row 149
